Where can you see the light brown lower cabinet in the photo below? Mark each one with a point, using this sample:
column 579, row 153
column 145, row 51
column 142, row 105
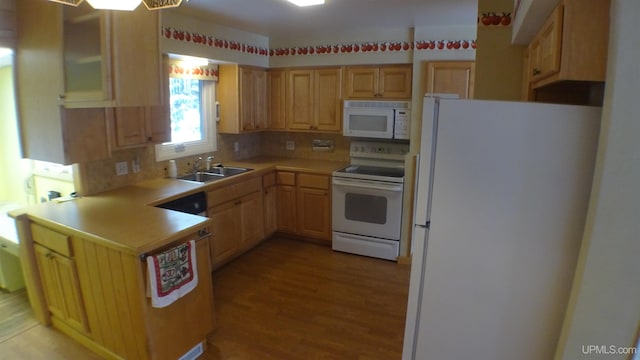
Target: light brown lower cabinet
column 270, row 203
column 96, row 294
column 304, row 205
column 238, row 219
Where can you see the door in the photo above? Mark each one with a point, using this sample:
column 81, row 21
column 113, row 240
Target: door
column 328, row 93
column 286, row 204
column 252, row 218
column 395, row 82
column 451, row 77
column 226, row 238
column 270, row 209
column 314, row 213
column 276, row 84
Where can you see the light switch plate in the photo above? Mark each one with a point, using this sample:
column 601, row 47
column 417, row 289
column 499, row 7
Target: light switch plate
column 291, row 145
column 122, row 168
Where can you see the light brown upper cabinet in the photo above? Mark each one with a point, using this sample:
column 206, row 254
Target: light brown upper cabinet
column 276, row 94
column 378, row 82
column 571, row 45
column 76, row 57
column 451, row 77
column 313, row 101
column 242, row 94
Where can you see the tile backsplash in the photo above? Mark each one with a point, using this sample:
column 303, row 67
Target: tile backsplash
column 98, row 176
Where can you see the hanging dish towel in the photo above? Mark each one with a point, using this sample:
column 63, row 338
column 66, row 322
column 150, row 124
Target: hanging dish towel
column 172, row 274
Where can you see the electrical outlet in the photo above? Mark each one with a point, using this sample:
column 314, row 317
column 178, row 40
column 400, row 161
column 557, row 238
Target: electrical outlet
column 122, row 168
column 291, row 145
column 236, row 146
column 135, row 165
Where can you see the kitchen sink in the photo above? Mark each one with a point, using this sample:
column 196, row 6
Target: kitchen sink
column 201, row 177
column 214, row 174
column 227, row 170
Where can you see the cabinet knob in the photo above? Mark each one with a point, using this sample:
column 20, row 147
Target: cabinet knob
column 150, row 138
column 536, row 72
column 61, row 97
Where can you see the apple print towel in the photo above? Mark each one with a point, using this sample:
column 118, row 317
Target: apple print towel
column 172, row 274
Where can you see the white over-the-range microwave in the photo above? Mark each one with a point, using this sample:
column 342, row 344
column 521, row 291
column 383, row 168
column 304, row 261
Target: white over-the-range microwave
column 377, row 119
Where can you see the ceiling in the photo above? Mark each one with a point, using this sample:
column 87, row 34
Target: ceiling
column 279, row 18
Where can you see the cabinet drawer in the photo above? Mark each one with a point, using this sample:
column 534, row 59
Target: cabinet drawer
column 286, row 178
column 269, row 180
column 314, row 181
column 228, row 193
column 51, row 239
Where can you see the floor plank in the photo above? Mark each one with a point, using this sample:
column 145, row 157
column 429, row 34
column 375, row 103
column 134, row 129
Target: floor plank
column 286, row 299
column 16, row 315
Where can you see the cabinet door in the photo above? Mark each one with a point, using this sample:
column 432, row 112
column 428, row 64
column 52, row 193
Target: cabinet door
column 158, row 124
column 550, row 41
column 270, row 210
column 276, row 84
column 62, row 288
column 314, row 213
column 252, row 219
column 395, row 82
column 261, row 110
column 328, row 96
column 451, row 77
column 361, row 82
column 286, row 206
column 247, row 99
column 227, row 236
column 300, row 106
column 130, row 127
column 136, row 60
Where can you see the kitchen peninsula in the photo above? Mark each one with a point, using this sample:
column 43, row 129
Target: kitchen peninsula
column 85, row 268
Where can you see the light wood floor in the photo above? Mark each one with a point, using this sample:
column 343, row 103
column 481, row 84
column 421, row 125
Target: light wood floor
column 286, row 299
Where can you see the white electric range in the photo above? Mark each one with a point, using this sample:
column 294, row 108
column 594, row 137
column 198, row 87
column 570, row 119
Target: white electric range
column 367, row 200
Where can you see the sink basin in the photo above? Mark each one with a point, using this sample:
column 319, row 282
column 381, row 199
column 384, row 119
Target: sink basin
column 227, row 170
column 201, row 177
column 214, row 174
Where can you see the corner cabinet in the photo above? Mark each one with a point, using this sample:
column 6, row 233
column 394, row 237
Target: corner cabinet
column 313, row 100
column 378, row 82
column 276, row 94
column 571, row 45
column 77, row 57
column 242, row 94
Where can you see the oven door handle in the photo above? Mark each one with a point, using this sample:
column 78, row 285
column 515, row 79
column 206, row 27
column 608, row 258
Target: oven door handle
column 368, row 185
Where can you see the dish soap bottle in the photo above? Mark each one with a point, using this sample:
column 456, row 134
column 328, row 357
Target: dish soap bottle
column 173, row 169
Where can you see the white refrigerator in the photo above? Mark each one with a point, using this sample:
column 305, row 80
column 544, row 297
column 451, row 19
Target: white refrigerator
column 500, row 206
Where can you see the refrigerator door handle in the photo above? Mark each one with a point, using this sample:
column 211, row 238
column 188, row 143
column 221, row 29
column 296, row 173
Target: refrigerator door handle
column 427, row 225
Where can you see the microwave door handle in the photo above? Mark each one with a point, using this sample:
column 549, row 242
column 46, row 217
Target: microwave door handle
column 368, row 185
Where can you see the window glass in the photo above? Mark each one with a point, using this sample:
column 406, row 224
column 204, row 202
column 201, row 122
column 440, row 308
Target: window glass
column 186, row 110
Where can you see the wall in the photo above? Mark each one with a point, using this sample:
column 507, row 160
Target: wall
column 11, row 167
column 603, row 309
column 500, row 61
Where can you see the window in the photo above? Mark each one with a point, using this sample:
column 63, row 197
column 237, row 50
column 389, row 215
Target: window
column 193, row 132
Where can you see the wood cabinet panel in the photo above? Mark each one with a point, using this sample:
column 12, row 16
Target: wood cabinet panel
column 314, row 213
column 270, row 210
column 327, row 102
column 227, row 233
column 300, row 107
column 451, row 77
column 252, row 219
column 286, row 208
column 571, row 45
column 378, row 82
column 62, row 291
column 242, row 96
column 276, row 94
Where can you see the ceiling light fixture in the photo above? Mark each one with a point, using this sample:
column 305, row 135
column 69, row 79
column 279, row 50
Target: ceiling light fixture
column 306, row 2
column 126, row 5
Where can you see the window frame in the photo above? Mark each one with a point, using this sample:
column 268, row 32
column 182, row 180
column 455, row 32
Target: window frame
column 169, row 151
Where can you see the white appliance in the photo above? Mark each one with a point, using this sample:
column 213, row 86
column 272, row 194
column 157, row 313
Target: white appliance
column 367, row 200
column 501, row 202
column 377, row 119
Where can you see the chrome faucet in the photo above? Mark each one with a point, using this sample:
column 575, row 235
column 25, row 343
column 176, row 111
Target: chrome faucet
column 209, row 160
column 196, row 165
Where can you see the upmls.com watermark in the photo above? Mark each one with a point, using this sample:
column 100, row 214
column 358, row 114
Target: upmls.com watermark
column 608, row 350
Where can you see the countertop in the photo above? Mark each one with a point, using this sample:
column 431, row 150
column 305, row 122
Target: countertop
column 125, row 218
